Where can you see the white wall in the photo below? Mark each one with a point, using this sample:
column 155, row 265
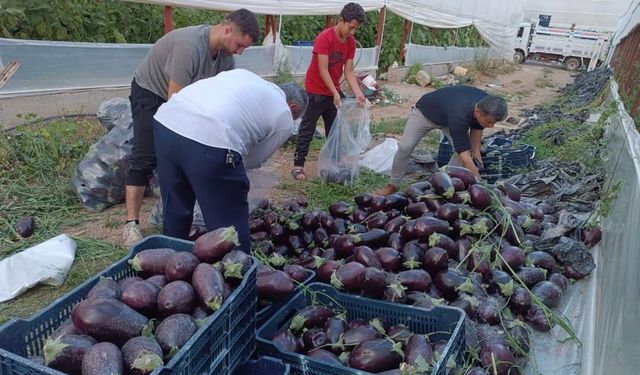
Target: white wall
column 600, row 15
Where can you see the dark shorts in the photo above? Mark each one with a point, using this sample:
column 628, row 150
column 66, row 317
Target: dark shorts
column 142, row 161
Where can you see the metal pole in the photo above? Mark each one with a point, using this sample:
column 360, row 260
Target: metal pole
column 380, row 32
column 168, row 18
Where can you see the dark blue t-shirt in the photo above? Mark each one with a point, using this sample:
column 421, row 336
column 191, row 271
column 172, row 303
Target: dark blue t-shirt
column 452, row 107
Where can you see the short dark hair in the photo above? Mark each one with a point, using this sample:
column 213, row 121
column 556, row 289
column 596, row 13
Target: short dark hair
column 494, row 106
column 295, row 94
column 352, row 11
column 246, row 22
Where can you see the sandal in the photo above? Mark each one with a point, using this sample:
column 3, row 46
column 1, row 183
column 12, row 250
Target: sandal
column 298, row 174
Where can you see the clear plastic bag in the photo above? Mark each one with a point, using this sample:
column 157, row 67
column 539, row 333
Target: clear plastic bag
column 339, row 159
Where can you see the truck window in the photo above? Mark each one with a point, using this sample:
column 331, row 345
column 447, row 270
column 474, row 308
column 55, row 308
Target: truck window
column 520, row 31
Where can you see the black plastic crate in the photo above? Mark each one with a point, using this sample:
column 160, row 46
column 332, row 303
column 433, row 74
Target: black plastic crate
column 445, row 323
column 263, row 366
column 217, row 347
column 267, row 311
column 501, row 160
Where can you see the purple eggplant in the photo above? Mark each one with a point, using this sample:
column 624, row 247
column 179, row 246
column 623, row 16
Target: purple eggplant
column 141, row 355
column 366, row 256
column 359, row 215
column 416, row 209
column 348, row 277
column 324, row 356
column 141, row 296
column 129, row 280
column 488, row 311
column 363, row 200
column 399, row 333
column 448, row 212
column 107, row 319
column 375, row 356
column 208, row 285
column 536, row 317
column 334, row 329
column 426, row 226
column 541, row 259
column 66, row 328
column 412, row 254
column 176, row 297
column 213, row 245
column 447, row 282
column 174, row 331
column 274, row 285
column 442, row 185
column 395, row 241
column 296, row 272
column 321, row 237
column 314, row 338
column 374, row 238
column 181, row 266
column 520, row 300
column 513, row 256
column 513, row 192
column 340, row 209
column 548, row 292
column 311, row 317
column 435, row 259
column 324, row 272
column 418, row 351
column 395, row 224
column 390, row 259
column 396, row 201
column 395, row 292
column 373, row 282
column 415, row 280
column 530, row 276
column 344, row 245
column 462, row 173
column 480, row 197
column 102, row 359
column 458, row 185
column 357, row 335
column 378, row 203
column 65, row 353
column 560, row 280
column 25, row 226
column 106, row 287
column 286, row 341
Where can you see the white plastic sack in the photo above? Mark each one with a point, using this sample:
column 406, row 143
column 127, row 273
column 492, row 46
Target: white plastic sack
column 339, row 159
column 46, row 263
column 380, row 158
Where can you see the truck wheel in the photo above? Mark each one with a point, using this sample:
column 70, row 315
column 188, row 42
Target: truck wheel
column 518, row 57
column 572, row 63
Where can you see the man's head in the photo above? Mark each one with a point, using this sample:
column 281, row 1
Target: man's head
column 351, row 17
column 240, row 30
column 489, row 110
column 296, row 98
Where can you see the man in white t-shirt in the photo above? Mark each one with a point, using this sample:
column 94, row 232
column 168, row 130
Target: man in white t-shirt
column 208, row 134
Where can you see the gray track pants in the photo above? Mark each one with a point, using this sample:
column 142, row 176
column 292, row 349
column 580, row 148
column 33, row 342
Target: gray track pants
column 417, row 127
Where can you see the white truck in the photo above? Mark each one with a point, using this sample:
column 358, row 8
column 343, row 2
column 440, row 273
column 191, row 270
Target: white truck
column 572, row 47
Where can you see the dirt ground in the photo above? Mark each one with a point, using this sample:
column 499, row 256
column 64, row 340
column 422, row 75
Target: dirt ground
column 526, row 87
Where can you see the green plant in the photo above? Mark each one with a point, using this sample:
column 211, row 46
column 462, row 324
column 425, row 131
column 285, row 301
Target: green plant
column 413, row 71
column 437, row 83
column 394, row 125
column 283, row 74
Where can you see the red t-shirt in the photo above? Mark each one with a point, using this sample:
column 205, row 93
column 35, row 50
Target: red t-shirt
column 328, row 43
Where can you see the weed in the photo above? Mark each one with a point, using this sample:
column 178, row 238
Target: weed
column 390, row 94
column 112, row 222
column 393, row 125
column 413, row 71
column 283, row 75
column 437, row 83
column 543, row 82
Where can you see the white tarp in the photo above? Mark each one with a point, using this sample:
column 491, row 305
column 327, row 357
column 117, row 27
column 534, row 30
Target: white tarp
column 629, row 20
column 284, row 7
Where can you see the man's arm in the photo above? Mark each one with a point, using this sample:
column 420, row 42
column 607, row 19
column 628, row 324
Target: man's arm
column 475, row 136
column 353, row 81
column 263, row 150
column 467, row 162
column 173, row 88
column 323, row 67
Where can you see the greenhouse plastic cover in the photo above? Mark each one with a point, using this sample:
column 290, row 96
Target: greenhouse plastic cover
column 629, row 20
column 418, row 54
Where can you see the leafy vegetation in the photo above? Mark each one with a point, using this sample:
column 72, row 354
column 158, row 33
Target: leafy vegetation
column 127, row 22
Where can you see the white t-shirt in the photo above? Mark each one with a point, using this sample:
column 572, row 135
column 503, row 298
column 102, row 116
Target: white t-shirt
column 235, row 110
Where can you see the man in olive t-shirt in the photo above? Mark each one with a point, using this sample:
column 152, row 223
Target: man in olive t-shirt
column 178, row 59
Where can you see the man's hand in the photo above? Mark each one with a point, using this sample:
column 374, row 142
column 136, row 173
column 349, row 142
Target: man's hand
column 467, row 162
column 336, row 100
column 360, row 98
column 477, row 158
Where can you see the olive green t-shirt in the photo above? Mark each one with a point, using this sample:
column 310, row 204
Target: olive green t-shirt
column 183, row 56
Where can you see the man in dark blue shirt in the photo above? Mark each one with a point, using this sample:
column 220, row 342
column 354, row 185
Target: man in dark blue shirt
column 461, row 113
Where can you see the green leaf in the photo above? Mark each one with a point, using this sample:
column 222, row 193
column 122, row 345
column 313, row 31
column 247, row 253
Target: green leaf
column 335, row 281
column 297, row 323
column 148, row 329
column 466, row 287
column 507, row 289
column 422, row 365
column 344, row 357
column 277, row 260
column 433, row 239
column 397, row 347
column 377, row 325
column 318, row 261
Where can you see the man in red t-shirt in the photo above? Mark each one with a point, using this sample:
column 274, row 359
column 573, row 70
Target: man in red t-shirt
column 333, row 52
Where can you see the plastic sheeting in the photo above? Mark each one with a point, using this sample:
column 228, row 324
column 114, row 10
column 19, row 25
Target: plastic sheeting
column 626, row 23
column 284, row 7
column 417, row 54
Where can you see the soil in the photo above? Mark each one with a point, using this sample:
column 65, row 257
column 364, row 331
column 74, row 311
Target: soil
column 529, row 85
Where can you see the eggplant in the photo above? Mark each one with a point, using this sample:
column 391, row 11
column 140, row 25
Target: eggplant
column 462, row 173
column 395, row 292
column 399, row 333
column 363, row 200
column 488, row 311
column 464, row 245
column 541, row 259
column 519, row 342
column 513, row 256
column 560, row 280
column 141, row 355
column 296, row 272
column 389, row 258
column 66, row 328
column 435, row 259
column 106, row 287
column 357, row 228
column 236, row 264
column 348, row 277
column 25, row 226
column 334, row 329
column 326, row 221
column 498, row 280
column 65, row 352
column 123, row 283
column 415, row 280
column 324, row 272
column 406, row 232
column 412, row 254
column 213, row 245
column 142, row 296
column 366, row 256
column 256, row 225
column 425, row 226
column 329, row 254
column 499, row 356
column 447, row 282
column 395, row 241
column 357, row 335
column 176, row 297
column 180, row 266
column 102, row 359
column 465, row 305
column 345, row 245
column 592, row 236
column 448, row 212
column 324, row 356
column 286, row 341
column 373, row 282
column 376, row 219
column 432, row 200
column 513, row 192
column 314, row 338
column 548, row 292
column 396, row 201
column 536, row 317
column 416, row 209
column 375, row 356
column 277, row 233
column 479, row 262
column 419, row 299
column 173, row 332
column 294, row 243
column 340, row 209
column 274, row 285
column 418, row 351
column 458, row 185
column 374, row 237
column 445, row 242
column 311, row 317
column 378, row 203
column 321, row 237
column 394, row 225
column 520, row 300
column 442, row 185
column 530, row 276
column 359, row 215
column 311, row 219
column 480, row 197
column 107, row 319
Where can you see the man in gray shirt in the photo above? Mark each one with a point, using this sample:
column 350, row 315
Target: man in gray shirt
column 178, row 59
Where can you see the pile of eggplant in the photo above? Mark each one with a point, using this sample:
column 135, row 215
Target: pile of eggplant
column 448, row 240
column 324, row 334
column 135, row 325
